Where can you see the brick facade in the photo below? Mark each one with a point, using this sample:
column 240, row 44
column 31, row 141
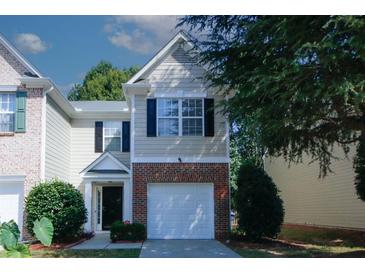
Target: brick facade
column 21, row 152
column 216, row 173
column 10, row 68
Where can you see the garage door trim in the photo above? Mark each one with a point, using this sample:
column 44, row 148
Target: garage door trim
column 212, row 232
column 16, row 179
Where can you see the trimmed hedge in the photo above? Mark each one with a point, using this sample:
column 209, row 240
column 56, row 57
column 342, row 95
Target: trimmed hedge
column 123, row 231
column 62, row 203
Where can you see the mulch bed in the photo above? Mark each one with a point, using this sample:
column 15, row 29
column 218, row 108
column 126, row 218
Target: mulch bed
column 57, row 246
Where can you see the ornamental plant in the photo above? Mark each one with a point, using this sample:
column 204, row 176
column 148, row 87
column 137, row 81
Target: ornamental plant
column 9, row 237
column 126, row 231
column 260, row 209
column 62, row 203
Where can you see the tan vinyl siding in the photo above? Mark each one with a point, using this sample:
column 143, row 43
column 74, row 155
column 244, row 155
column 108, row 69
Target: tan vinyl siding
column 331, row 201
column 178, row 72
column 82, row 146
column 171, row 146
column 58, row 142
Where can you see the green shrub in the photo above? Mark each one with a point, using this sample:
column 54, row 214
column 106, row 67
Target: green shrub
column 125, row 231
column 62, row 203
column 260, row 209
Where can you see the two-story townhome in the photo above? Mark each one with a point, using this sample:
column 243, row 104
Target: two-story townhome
column 160, row 158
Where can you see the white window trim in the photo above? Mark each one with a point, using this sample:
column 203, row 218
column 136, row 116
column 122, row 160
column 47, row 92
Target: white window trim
column 121, row 134
column 180, row 117
column 168, row 117
column 9, row 112
column 193, row 117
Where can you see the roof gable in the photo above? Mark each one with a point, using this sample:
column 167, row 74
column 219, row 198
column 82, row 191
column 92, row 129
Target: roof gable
column 19, row 62
column 170, row 47
column 106, row 163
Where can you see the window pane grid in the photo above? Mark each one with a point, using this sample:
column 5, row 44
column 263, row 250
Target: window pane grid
column 168, row 117
column 192, row 126
column 7, row 112
column 180, row 117
column 192, row 120
column 112, row 135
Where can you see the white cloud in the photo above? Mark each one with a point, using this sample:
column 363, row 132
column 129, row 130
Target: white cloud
column 141, row 34
column 30, row 42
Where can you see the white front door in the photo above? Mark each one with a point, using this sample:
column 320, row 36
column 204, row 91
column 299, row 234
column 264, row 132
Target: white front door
column 180, row 211
column 99, row 207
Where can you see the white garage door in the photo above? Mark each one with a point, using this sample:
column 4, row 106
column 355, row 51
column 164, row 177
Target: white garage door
column 11, row 202
column 180, row 211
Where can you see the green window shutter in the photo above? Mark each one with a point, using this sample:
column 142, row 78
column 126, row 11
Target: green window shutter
column 20, row 109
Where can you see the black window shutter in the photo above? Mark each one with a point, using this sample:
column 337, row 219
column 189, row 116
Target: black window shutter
column 151, row 117
column 209, row 117
column 126, row 136
column 98, row 136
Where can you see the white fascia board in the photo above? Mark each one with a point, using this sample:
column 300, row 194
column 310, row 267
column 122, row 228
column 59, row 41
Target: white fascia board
column 104, row 177
column 159, row 55
column 36, row 82
column 8, row 88
column 137, row 88
column 65, row 105
column 19, row 56
column 12, row 178
column 175, row 159
column 179, row 94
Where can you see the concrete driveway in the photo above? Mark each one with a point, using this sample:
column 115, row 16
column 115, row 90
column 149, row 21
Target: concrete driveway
column 186, row 249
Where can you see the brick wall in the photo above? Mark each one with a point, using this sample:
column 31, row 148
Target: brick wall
column 20, row 153
column 10, row 68
column 216, row 173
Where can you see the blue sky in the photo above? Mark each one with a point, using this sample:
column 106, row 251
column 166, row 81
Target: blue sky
column 66, row 47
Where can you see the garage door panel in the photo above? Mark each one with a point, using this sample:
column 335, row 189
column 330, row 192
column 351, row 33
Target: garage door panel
column 11, row 202
column 180, row 211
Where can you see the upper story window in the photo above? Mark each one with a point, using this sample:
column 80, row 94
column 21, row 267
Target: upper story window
column 192, row 117
column 112, row 136
column 7, row 112
column 168, row 117
column 180, row 117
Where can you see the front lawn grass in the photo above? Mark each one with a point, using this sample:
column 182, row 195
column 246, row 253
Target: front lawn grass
column 87, row 253
column 322, row 236
column 297, row 241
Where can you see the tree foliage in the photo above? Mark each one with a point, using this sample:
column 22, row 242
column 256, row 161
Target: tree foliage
column 245, row 145
column 300, row 77
column 102, row 82
column 260, row 209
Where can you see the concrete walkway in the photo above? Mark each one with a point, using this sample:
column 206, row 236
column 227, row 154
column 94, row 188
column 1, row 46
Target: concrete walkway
column 186, row 249
column 102, row 241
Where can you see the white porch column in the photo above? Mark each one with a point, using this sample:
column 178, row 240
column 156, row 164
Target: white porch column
column 127, row 200
column 88, row 204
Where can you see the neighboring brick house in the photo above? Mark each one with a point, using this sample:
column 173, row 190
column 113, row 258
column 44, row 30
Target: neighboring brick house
column 160, row 158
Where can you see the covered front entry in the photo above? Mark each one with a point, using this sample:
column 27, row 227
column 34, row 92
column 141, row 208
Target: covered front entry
column 108, row 192
column 108, row 206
